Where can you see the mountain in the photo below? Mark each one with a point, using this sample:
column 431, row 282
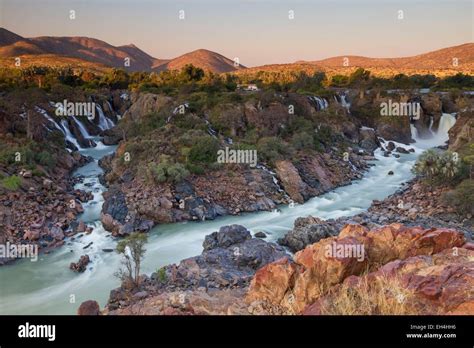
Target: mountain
column 202, row 58
column 97, row 51
column 59, row 50
column 438, row 59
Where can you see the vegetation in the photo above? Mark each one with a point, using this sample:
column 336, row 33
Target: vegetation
column 438, row 167
column 167, row 171
column 12, row 182
column 132, row 249
column 383, row 296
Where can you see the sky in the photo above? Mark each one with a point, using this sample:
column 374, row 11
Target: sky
column 257, row 32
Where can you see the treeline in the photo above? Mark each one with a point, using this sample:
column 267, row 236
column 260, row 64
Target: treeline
column 191, row 79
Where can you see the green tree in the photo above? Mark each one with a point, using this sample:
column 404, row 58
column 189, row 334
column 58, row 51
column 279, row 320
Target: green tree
column 132, row 249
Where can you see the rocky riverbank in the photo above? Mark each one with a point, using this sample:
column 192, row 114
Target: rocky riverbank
column 408, row 270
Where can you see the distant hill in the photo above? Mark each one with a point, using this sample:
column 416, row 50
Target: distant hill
column 202, row 58
column 439, row 59
column 86, row 51
column 97, row 51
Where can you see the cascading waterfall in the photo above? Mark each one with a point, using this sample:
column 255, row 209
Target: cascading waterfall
column 68, row 134
column 440, row 137
column 49, row 118
column 82, row 129
column 104, row 122
column 322, row 103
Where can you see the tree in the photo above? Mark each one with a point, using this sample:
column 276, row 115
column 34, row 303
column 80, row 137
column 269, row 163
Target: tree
column 132, row 248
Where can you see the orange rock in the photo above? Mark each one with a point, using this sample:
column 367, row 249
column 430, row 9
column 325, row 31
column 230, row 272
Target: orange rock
column 319, row 266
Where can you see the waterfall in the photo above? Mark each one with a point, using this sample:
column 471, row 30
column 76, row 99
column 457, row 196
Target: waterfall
column 321, row 103
column 82, row 129
column 68, row 134
column 104, row 122
column 49, row 118
column 275, row 180
column 440, row 137
column 212, row 132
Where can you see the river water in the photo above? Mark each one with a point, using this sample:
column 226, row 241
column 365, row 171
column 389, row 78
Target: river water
column 47, row 286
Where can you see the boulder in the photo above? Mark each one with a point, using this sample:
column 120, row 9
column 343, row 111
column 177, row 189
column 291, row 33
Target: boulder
column 89, row 307
column 81, row 265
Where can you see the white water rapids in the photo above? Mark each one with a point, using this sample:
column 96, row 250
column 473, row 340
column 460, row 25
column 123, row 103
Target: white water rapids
column 49, row 287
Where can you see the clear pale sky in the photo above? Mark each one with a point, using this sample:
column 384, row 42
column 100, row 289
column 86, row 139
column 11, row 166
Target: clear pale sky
column 257, row 31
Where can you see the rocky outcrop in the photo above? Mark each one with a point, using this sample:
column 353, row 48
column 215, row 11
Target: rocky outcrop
column 442, row 283
column 461, row 134
column 145, row 103
column 293, row 285
column 289, row 177
column 229, row 260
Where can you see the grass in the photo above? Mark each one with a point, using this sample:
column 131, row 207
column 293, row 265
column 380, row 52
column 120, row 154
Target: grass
column 12, row 183
column 382, row 296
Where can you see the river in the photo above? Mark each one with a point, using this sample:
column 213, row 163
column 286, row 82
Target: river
column 47, row 286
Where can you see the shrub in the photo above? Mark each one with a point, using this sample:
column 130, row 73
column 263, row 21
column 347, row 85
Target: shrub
column 204, row 150
column 438, row 168
column 12, row 183
column 167, row 171
column 271, row 149
column 302, row 141
column 45, row 159
column 462, row 197
column 161, row 273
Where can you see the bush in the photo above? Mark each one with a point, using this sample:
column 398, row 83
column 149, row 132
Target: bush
column 12, row 183
column 161, row 273
column 167, row 171
column 271, row 149
column 462, row 197
column 302, row 141
column 438, row 168
column 204, row 150
column 44, row 158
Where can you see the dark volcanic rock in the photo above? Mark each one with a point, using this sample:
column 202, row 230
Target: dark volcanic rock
column 309, row 230
column 230, row 258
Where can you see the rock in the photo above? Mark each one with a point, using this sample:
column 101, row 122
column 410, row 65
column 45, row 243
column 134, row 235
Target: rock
column 57, row 233
column 327, row 263
column 81, row 265
column 107, row 250
column 260, row 235
column 227, row 236
column 435, row 284
column 47, row 184
column 291, row 181
column 390, row 146
column 89, row 307
column 229, row 260
column 390, row 172
column 368, row 139
column 81, row 227
column 402, row 150
column 307, row 231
